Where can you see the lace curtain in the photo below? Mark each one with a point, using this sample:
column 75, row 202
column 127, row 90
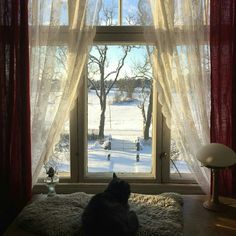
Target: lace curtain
column 60, row 35
column 182, row 75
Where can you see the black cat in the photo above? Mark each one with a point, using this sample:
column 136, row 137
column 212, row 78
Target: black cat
column 108, row 212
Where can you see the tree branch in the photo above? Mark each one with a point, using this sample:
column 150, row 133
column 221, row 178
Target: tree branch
column 93, row 59
column 110, row 73
column 120, row 65
column 96, row 90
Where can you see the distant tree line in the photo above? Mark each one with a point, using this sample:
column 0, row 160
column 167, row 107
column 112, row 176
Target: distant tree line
column 127, row 85
column 121, row 83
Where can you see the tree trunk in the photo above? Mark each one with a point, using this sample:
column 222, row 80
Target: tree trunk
column 149, row 118
column 102, row 119
column 101, row 125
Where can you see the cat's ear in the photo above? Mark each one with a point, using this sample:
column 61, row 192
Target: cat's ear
column 114, row 176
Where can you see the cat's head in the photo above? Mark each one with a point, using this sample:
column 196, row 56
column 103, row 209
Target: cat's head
column 119, row 188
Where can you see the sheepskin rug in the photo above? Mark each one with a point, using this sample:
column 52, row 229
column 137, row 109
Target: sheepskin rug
column 159, row 215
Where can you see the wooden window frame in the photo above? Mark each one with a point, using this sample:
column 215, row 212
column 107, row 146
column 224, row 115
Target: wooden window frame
column 114, row 35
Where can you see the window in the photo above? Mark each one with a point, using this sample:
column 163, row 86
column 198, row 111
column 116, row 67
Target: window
column 116, row 126
column 92, row 144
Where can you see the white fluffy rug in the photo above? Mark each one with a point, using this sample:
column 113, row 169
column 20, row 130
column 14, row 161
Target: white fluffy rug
column 159, row 215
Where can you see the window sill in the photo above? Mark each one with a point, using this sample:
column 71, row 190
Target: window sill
column 145, row 188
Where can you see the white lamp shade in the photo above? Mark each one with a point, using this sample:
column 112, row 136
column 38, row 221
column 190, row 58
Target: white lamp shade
column 216, row 155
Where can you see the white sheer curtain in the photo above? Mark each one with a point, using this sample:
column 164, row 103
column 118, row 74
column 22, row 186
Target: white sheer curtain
column 60, row 35
column 182, row 76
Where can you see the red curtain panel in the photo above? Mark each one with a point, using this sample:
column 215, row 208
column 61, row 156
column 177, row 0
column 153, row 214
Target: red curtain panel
column 15, row 140
column 223, row 83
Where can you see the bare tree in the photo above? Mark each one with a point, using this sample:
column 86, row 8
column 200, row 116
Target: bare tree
column 108, row 13
column 98, row 65
column 147, row 114
column 143, row 72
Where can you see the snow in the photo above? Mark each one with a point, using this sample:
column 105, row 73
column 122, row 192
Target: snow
column 119, row 116
column 123, row 158
column 124, row 123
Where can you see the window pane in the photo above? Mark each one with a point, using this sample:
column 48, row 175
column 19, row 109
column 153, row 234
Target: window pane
column 60, row 159
column 64, row 14
column 62, row 152
column 53, row 12
column 119, row 135
column 178, row 166
column 108, row 14
column 183, row 14
column 136, row 12
column 177, row 163
column 50, row 79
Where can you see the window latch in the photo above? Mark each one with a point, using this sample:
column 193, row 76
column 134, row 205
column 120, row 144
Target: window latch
column 163, row 155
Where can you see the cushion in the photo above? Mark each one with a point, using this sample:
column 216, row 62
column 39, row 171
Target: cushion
column 61, row 214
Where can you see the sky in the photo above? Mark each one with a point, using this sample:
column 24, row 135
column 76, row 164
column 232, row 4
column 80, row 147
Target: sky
column 129, row 7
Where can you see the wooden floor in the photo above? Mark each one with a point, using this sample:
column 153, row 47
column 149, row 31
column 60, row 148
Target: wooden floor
column 197, row 220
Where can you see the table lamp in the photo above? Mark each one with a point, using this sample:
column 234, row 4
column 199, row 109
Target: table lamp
column 215, row 156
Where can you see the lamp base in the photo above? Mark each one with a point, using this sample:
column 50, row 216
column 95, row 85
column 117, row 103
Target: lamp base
column 212, row 206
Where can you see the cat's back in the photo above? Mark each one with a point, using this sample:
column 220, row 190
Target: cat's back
column 103, row 204
column 104, row 215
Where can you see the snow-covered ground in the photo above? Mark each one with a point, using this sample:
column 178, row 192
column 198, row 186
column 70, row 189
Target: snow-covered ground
column 124, row 124
column 119, row 116
column 123, row 157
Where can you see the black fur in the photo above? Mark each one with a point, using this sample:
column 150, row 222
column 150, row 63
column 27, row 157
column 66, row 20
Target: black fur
column 108, row 212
